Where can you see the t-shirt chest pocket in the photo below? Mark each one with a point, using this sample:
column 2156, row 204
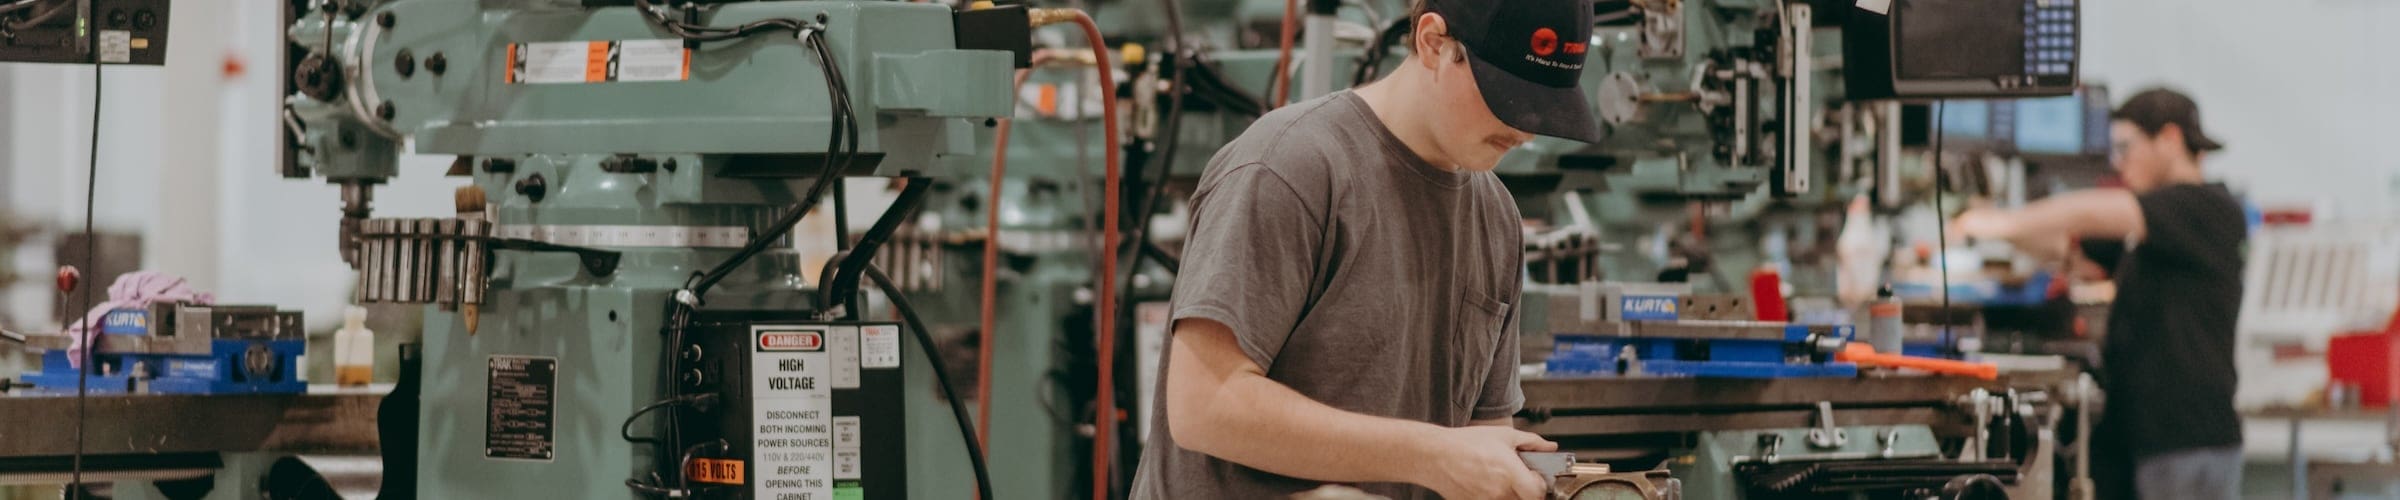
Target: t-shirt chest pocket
column 1474, row 338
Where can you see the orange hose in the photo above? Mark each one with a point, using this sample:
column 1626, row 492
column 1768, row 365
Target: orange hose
column 1283, row 61
column 991, row 274
column 1107, row 409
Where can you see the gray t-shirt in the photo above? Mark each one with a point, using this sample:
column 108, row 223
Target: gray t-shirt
column 1354, row 272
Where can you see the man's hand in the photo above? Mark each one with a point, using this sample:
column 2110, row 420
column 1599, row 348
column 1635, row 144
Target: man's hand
column 1481, row 463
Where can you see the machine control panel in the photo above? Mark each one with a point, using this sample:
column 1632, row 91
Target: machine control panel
column 809, row 411
column 2050, row 39
column 50, row 31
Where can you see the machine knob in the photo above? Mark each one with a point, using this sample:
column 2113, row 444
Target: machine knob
column 68, row 276
column 694, row 378
column 318, row 77
column 533, row 187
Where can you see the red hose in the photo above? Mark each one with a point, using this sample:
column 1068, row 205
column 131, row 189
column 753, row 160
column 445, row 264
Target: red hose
column 1283, row 61
column 991, row 275
column 1107, row 409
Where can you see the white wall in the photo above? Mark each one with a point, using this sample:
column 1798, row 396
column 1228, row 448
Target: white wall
column 49, row 108
column 2302, row 92
column 187, row 161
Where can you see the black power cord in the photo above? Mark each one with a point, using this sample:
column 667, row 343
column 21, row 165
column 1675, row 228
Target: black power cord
column 1172, row 137
column 1370, row 64
column 840, row 281
column 1941, row 221
column 18, row 5
column 841, row 147
column 966, row 424
column 625, row 431
column 39, row 17
column 91, row 252
column 700, row 33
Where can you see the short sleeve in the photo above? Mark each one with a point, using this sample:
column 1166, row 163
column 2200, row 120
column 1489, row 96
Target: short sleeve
column 2192, row 224
column 1250, row 259
column 1502, row 396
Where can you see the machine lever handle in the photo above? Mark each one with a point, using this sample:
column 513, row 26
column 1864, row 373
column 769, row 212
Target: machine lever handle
column 1865, row 354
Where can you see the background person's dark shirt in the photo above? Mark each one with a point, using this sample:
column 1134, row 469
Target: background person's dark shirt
column 2167, row 361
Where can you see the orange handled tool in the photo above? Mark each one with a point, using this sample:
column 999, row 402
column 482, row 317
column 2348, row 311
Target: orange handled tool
column 1865, row 354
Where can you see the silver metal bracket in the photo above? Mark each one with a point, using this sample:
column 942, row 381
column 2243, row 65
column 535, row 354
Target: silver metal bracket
column 1826, row 435
column 1768, row 445
column 1662, row 30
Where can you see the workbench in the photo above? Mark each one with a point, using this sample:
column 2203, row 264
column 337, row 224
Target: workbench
column 141, row 432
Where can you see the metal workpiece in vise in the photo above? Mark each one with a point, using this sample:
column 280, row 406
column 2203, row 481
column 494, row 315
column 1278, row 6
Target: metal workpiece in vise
column 1573, row 480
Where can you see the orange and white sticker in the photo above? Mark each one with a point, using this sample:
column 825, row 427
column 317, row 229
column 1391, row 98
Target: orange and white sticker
column 716, row 471
column 598, row 61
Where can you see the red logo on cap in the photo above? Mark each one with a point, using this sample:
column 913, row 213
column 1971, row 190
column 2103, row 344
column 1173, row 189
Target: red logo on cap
column 1545, row 42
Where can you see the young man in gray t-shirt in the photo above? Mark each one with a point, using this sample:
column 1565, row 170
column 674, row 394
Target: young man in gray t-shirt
column 1347, row 306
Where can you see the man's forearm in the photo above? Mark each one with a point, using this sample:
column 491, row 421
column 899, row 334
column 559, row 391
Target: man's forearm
column 2052, row 247
column 2091, row 213
column 1259, row 423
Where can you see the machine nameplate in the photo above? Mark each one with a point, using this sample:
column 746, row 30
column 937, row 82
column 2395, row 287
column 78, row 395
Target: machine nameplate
column 519, row 418
column 792, row 407
column 599, row 61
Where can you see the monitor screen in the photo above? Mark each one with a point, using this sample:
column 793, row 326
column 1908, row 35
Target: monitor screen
column 1966, row 122
column 1959, row 39
column 2051, row 125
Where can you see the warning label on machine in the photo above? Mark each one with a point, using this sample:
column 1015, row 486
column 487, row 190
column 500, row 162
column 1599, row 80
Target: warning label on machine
column 845, row 448
column 716, row 471
column 518, row 408
column 598, row 61
column 791, row 391
column 882, row 346
column 843, row 346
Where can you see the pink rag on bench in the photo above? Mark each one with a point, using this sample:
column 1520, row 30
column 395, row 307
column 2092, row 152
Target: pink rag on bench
column 134, row 289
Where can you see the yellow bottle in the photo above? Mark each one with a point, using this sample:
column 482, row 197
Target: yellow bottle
column 353, row 350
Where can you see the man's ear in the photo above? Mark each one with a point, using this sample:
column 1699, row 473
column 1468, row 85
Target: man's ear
column 2170, row 138
column 1430, row 40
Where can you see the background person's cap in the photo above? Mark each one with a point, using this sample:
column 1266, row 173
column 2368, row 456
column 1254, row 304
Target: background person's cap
column 2154, row 109
column 1527, row 57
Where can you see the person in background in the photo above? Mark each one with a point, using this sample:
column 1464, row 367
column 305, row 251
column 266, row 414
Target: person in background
column 2173, row 242
column 1347, row 307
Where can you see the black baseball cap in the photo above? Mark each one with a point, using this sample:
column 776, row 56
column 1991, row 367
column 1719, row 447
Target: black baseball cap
column 1527, row 57
column 2154, row 109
